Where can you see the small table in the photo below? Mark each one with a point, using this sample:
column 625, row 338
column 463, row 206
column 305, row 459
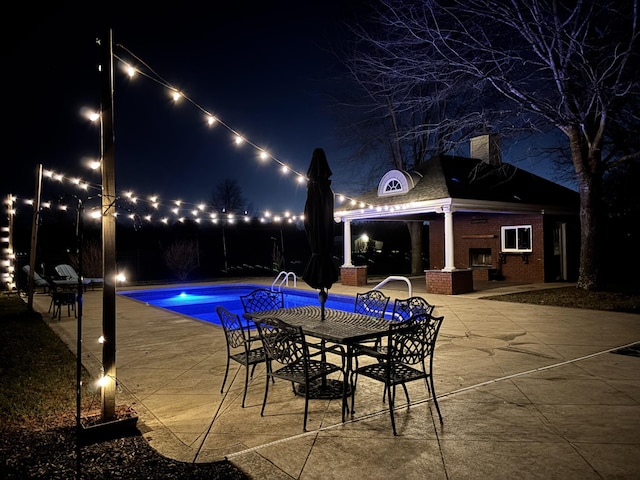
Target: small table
column 338, row 326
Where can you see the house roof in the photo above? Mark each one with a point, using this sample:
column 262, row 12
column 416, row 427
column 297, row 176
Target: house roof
column 467, row 184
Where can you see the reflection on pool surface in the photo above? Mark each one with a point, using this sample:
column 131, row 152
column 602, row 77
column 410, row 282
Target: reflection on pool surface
column 201, row 302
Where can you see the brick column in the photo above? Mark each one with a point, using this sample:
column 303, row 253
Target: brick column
column 353, row 276
column 453, row 282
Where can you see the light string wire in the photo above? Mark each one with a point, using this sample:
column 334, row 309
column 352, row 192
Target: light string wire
column 152, row 200
column 214, row 119
column 180, row 209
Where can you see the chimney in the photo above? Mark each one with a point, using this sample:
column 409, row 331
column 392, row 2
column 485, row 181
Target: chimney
column 487, row 148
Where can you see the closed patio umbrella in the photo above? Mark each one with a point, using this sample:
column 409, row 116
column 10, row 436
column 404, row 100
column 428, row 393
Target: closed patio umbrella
column 320, row 272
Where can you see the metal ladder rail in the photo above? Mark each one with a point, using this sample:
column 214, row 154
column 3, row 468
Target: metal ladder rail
column 284, row 280
column 398, row 278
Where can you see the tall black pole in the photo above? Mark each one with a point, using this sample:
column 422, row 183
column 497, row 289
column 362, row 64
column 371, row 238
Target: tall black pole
column 108, row 230
column 80, row 247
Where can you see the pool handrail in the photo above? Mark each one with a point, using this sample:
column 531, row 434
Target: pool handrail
column 395, row 277
column 284, row 280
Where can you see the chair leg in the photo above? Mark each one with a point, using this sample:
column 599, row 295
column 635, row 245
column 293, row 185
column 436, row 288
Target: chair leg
column 246, row 383
column 435, row 399
column 392, row 396
column 226, row 372
column 406, row 392
column 306, row 407
column 266, row 392
column 345, row 403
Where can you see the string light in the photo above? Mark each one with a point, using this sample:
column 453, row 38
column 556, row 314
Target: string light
column 211, row 119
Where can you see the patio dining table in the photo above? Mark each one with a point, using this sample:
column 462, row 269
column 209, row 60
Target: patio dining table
column 339, row 326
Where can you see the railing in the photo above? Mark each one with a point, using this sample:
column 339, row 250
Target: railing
column 392, row 278
column 283, row 277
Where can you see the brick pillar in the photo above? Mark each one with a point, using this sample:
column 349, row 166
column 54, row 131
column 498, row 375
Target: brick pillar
column 453, row 282
column 354, row 276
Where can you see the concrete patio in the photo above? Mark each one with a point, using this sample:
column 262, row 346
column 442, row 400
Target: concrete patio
column 527, row 392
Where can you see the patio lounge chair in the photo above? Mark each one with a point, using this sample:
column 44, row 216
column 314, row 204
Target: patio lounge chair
column 68, row 272
column 38, row 281
column 45, row 283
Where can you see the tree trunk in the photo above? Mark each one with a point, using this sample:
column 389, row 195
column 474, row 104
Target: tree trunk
column 587, row 163
column 415, row 232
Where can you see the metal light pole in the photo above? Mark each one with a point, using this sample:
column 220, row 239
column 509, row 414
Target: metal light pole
column 80, row 247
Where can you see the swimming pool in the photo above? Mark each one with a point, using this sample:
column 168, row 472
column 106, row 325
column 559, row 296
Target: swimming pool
column 201, row 302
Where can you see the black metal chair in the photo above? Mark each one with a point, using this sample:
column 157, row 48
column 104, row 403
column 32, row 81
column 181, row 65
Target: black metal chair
column 262, row 299
column 409, row 343
column 405, row 308
column 285, row 344
column 61, row 297
column 373, row 303
column 239, row 340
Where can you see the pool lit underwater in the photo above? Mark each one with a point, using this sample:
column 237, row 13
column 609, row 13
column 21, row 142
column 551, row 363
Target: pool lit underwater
column 201, row 302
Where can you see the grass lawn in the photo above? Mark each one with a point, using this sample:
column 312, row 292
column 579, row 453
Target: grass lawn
column 38, row 414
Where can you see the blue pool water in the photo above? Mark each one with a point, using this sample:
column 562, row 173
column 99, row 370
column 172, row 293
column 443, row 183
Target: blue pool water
column 201, row 302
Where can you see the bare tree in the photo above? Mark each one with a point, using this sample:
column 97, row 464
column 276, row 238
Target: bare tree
column 227, row 197
column 91, row 259
column 564, row 64
column 182, row 258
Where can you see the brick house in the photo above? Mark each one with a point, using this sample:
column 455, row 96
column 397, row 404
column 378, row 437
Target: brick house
column 487, row 220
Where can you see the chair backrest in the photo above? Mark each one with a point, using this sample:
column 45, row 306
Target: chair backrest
column 413, row 340
column 282, row 342
column 373, row 303
column 233, row 329
column 66, row 271
column 407, row 307
column 37, row 278
column 262, row 299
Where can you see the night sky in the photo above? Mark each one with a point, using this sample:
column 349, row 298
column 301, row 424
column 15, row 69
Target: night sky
column 265, row 70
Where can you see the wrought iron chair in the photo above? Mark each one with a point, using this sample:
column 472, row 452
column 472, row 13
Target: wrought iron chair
column 373, row 303
column 60, row 299
column 262, row 299
column 404, row 309
column 285, row 344
column 239, row 340
column 410, row 343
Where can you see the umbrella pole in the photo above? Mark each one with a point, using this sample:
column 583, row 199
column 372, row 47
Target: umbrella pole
column 322, row 296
